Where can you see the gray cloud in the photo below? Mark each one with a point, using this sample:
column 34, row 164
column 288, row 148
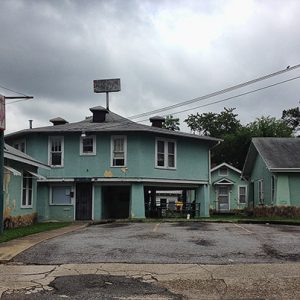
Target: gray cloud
column 164, row 52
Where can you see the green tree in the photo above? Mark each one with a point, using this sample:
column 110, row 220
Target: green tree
column 291, row 117
column 171, row 123
column 269, row 127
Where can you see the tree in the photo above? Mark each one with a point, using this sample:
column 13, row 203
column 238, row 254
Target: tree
column 171, row 123
column 212, row 124
column 269, row 127
column 292, row 118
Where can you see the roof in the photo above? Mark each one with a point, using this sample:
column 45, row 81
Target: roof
column 279, row 154
column 14, row 154
column 113, row 123
column 225, row 165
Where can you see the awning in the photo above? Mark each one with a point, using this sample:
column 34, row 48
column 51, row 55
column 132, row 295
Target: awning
column 13, row 171
column 38, row 176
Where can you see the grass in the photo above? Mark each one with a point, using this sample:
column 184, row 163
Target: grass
column 14, row 233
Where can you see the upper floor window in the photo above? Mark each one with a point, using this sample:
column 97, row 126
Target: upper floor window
column 118, row 151
column 88, row 145
column 242, row 194
column 56, row 151
column 20, row 145
column 165, row 154
column 223, row 171
column 26, row 190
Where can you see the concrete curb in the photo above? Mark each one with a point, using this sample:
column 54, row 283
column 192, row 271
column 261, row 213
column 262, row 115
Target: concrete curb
column 10, row 249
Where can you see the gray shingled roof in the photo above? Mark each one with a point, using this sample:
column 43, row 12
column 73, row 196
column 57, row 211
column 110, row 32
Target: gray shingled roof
column 113, row 123
column 12, row 153
column 279, row 154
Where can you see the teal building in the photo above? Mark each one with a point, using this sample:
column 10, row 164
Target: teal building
column 273, row 168
column 229, row 191
column 107, row 166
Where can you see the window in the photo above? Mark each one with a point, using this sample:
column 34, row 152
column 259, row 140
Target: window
column 20, row 145
column 165, row 154
column 26, row 190
column 61, row 195
column 273, row 189
column 56, row 151
column 261, row 191
column 223, row 171
column 118, row 151
column 242, row 194
column 88, row 145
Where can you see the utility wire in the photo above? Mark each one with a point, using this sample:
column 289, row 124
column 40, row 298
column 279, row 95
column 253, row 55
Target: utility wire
column 128, row 122
column 223, row 91
column 3, row 87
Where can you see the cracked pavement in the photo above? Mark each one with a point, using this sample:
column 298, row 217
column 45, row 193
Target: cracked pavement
column 162, row 281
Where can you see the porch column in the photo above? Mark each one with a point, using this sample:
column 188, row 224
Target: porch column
column 137, row 202
column 97, row 203
column 202, row 197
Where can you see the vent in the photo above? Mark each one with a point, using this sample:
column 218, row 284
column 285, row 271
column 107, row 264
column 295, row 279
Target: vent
column 58, row 121
column 157, row 121
column 99, row 114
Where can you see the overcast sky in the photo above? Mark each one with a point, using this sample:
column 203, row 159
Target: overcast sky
column 165, row 52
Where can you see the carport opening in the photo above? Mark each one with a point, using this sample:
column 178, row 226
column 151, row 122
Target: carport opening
column 170, row 203
column 116, row 202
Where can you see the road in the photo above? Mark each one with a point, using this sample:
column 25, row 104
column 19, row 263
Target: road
column 178, row 242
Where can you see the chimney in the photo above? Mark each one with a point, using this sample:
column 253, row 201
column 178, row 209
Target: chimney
column 99, row 114
column 157, row 121
column 58, row 121
column 30, row 124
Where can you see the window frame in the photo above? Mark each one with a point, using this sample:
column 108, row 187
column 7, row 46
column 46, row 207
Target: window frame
column 261, row 194
column 19, row 142
column 50, row 152
column 239, row 194
column 81, row 145
column 166, row 153
column 113, row 138
column 26, row 175
column 72, row 197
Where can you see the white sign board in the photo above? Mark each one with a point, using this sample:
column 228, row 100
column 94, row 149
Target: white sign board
column 107, row 85
column 2, row 112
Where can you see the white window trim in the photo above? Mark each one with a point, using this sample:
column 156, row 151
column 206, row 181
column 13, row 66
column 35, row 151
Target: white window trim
column 246, row 194
column 261, row 192
column 81, row 146
column 19, row 142
column 61, row 185
column 166, row 153
column 113, row 137
column 62, row 150
column 223, row 174
column 26, row 206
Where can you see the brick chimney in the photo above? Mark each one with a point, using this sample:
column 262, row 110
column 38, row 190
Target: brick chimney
column 157, row 121
column 99, row 114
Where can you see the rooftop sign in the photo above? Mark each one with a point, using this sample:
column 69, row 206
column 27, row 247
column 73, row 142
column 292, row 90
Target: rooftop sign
column 107, row 85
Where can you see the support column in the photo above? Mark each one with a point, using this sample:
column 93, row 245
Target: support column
column 137, row 202
column 202, row 197
column 97, row 202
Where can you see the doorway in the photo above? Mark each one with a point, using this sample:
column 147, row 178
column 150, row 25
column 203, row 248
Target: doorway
column 223, row 198
column 83, row 201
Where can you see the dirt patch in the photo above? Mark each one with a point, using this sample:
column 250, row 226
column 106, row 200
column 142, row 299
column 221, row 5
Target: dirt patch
column 272, row 252
column 203, row 242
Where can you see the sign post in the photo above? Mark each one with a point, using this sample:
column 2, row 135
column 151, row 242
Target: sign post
column 107, row 86
column 2, row 128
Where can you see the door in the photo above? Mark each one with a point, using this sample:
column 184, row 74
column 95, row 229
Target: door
column 223, row 198
column 83, row 201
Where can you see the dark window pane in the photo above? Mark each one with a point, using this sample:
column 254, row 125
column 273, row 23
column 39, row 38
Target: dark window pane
column 24, row 197
column 171, row 161
column 171, row 148
column 56, row 159
column 87, row 145
column 160, row 160
column 160, row 146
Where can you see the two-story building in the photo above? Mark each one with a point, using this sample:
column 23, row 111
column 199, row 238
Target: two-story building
column 107, row 166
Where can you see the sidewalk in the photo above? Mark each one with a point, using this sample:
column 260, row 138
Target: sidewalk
column 10, row 249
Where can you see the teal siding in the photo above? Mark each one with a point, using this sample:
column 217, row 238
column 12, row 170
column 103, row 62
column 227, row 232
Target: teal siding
column 233, row 176
column 294, row 186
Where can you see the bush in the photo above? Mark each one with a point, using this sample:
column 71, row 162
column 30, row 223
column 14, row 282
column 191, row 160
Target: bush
column 276, row 211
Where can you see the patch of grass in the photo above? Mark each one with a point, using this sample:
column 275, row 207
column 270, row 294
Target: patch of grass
column 14, row 233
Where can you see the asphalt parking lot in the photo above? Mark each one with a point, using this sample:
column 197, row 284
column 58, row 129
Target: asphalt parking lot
column 178, row 242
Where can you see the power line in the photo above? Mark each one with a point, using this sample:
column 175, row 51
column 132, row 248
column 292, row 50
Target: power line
column 207, row 104
column 223, row 91
column 8, row 89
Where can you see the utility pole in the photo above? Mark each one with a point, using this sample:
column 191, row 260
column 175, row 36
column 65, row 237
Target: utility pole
column 2, row 128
